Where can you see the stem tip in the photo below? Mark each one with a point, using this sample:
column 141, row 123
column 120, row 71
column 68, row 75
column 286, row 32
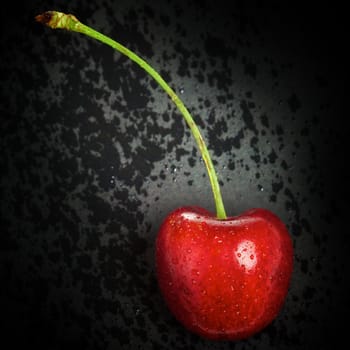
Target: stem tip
column 45, row 18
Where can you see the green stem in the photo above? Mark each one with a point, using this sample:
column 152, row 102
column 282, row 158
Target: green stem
column 56, row 19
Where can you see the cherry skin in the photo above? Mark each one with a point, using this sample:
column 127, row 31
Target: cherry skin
column 224, row 279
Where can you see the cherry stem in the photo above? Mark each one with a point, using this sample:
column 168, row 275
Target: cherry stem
column 55, row 19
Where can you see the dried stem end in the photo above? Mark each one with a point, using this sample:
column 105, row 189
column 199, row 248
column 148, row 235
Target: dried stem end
column 55, row 19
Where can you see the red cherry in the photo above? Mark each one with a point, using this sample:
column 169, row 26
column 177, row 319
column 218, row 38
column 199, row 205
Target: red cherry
column 224, row 279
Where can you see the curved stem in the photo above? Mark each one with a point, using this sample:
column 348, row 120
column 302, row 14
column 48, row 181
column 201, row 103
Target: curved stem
column 56, row 19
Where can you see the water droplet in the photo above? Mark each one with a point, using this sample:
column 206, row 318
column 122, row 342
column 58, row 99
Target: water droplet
column 189, row 250
column 239, row 255
column 237, row 313
column 182, row 90
column 251, row 256
column 170, row 284
column 204, row 292
column 194, row 281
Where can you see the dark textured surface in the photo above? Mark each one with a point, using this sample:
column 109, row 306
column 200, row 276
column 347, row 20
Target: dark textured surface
column 94, row 156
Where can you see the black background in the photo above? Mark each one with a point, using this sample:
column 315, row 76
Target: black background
column 94, row 156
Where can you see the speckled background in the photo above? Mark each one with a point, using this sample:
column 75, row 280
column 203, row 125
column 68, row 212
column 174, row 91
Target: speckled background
column 94, row 155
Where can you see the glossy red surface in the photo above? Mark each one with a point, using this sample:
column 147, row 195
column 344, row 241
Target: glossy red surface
column 224, row 279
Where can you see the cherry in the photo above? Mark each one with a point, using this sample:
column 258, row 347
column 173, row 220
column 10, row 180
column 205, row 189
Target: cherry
column 222, row 277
